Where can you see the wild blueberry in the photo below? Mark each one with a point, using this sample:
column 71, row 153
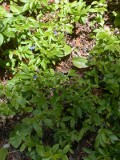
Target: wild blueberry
column 32, row 48
column 55, row 32
column 34, row 77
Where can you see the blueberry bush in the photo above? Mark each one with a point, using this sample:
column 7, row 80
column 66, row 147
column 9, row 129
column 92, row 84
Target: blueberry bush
column 59, row 110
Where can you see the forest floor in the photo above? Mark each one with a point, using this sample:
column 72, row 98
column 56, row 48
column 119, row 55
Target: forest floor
column 83, row 43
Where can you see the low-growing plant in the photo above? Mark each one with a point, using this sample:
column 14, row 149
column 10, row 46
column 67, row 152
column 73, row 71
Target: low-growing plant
column 56, row 110
column 106, row 59
column 65, row 110
column 33, row 32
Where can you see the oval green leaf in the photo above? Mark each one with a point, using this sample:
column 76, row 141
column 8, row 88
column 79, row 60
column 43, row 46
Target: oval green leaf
column 3, row 153
column 80, row 62
column 1, row 39
column 15, row 8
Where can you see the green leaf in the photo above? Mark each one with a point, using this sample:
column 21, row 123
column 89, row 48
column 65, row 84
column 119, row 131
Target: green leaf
column 9, row 33
column 2, row 11
column 101, row 151
column 97, row 141
column 72, row 122
column 117, row 20
column 82, row 132
column 15, row 141
column 66, row 149
column 55, row 148
column 28, row 109
column 46, row 158
column 22, row 148
column 15, row 8
column 25, row 7
column 21, row 101
column 103, row 137
column 1, row 39
column 3, row 153
column 97, row 119
column 65, row 158
column 44, row 64
column 67, row 50
column 79, row 112
column 103, row 35
column 80, row 62
column 66, row 118
column 87, row 150
column 25, row 69
column 45, row 2
column 38, row 129
column 114, row 137
column 40, row 150
column 48, row 122
column 19, row 134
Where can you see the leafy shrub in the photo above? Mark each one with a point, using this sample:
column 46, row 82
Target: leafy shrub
column 58, row 110
column 34, row 32
column 55, row 111
column 106, row 59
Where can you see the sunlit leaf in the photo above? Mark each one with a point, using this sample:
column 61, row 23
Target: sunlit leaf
column 15, row 8
column 80, row 62
column 1, row 39
column 67, row 50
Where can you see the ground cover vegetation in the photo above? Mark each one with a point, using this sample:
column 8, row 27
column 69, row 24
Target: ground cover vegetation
column 48, row 112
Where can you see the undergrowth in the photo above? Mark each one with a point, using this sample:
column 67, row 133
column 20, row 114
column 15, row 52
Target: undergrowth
column 59, row 109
